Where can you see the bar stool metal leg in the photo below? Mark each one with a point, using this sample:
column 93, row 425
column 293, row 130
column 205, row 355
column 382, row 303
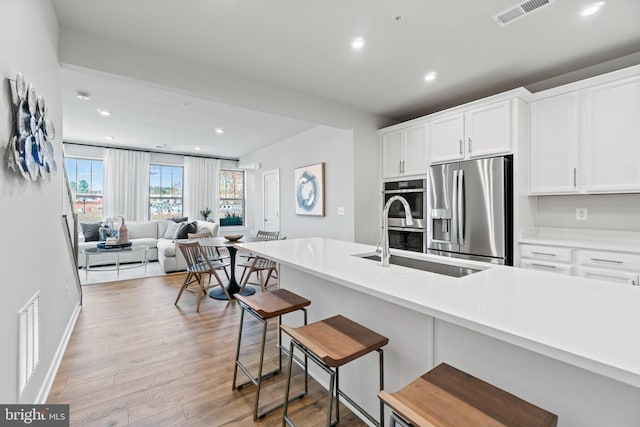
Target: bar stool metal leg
column 257, row 381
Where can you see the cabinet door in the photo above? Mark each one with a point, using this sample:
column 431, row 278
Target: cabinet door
column 413, row 156
column 391, row 154
column 612, row 136
column 627, row 277
column 488, row 130
column 553, row 151
column 447, row 138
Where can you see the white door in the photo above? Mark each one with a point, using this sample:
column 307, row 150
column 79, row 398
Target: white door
column 392, row 154
column 447, row 136
column 488, row 130
column 414, row 155
column 612, row 136
column 554, row 148
column 271, row 200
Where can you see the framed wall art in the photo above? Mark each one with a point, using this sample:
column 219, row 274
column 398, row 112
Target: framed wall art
column 309, row 190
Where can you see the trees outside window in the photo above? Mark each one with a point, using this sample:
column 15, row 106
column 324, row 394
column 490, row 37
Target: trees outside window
column 86, row 179
column 232, row 203
column 165, row 191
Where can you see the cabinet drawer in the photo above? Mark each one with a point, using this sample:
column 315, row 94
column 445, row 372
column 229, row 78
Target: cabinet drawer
column 551, row 267
column 606, row 259
column 547, row 253
column 610, row 275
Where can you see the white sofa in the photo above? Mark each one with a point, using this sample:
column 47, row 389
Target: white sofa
column 150, row 233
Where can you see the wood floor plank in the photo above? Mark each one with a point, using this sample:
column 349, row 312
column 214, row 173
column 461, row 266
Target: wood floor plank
column 135, row 358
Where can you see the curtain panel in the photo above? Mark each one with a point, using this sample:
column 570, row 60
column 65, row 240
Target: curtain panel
column 201, row 187
column 126, row 184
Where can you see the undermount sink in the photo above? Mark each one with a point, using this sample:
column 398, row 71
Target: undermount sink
column 420, row 264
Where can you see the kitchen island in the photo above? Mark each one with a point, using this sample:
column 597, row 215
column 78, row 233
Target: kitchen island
column 568, row 344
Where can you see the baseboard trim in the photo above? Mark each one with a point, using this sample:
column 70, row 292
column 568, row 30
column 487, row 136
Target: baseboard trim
column 43, row 394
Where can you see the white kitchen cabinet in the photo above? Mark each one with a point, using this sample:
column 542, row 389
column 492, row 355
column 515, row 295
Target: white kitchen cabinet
column 547, row 258
column 612, row 136
column 586, row 140
column 554, row 147
column 617, row 276
column 404, row 152
column 478, row 132
column 613, row 266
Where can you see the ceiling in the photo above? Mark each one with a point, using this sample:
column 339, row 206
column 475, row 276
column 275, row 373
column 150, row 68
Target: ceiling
column 305, row 46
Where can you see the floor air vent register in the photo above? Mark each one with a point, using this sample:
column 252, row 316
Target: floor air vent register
column 29, row 336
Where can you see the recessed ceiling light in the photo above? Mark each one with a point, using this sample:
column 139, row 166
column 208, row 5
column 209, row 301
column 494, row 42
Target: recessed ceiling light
column 591, row 9
column 358, row 43
column 110, row 138
column 219, row 131
column 83, row 95
column 105, row 113
column 197, row 148
column 430, row 76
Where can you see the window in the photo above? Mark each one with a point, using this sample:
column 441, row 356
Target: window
column 231, row 189
column 165, row 191
column 86, row 180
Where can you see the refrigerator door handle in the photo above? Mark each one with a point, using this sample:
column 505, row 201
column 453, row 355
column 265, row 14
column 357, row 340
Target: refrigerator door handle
column 461, row 208
column 454, row 208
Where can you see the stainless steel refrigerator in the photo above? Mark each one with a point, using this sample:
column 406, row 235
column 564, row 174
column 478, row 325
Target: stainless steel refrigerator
column 470, row 210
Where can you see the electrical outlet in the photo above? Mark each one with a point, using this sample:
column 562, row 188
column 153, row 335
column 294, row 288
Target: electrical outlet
column 582, row 214
column 340, row 211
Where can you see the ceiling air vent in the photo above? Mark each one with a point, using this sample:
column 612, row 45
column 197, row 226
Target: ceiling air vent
column 518, row 11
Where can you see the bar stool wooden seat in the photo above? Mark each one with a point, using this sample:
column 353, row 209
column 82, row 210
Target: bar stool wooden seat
column 331, row 343
column 265, row 306
column 448, row 397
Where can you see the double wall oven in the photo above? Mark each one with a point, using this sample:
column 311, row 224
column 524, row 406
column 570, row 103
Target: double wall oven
column 402, row 236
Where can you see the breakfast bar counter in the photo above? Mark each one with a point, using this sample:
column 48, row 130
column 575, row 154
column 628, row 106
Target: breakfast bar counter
column 568, row 344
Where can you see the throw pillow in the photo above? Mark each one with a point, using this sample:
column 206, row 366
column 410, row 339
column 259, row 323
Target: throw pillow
column 91, row 231
column 179, row 219
column 172, row 229
column 185, row 229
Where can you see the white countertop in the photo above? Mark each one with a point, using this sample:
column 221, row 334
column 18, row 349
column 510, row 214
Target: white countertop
column 587, row 323
column 625, row 241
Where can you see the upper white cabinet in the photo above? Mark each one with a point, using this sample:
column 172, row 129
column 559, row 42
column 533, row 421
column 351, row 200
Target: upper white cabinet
column 554, row 155
column 586, row 140
column 612, row 136
column 404, row 152
column 478, row 132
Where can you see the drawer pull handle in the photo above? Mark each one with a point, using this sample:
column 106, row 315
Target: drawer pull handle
column 611, row 261
column 543, row 253
column 544, row 265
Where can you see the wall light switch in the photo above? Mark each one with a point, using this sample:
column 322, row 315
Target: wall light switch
column 581, row 214
column 340, row 211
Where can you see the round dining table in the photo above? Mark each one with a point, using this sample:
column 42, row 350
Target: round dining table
column 232, row 287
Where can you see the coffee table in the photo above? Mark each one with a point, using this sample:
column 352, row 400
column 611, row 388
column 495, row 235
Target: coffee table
column 99, row 253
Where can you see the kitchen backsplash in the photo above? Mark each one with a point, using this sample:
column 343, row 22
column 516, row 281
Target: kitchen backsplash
column 604, row 211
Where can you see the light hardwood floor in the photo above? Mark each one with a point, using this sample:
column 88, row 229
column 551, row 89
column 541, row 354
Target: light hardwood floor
column 136, row 359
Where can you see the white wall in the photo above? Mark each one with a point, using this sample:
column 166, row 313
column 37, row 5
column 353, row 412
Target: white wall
column 34, row 255
column 88, row 52
column 604, row 211
column 325, row 144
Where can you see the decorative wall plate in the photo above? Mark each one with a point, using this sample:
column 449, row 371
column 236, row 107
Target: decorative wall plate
column 32, row 141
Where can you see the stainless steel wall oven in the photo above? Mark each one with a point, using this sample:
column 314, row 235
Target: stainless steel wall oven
column 401, row 236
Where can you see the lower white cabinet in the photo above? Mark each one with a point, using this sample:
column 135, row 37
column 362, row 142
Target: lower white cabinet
column 612, row 266
column 552, row 267
column 611, row 275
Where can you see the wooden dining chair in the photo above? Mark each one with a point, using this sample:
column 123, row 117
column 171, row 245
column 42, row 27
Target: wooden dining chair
column 263, row 235
column 260, row 266
column 198, row 265
column 213, row 253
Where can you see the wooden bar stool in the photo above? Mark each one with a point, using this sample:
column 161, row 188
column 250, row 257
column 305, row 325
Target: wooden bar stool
column 265, row 306
column 448, row 397
column 331, row 343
